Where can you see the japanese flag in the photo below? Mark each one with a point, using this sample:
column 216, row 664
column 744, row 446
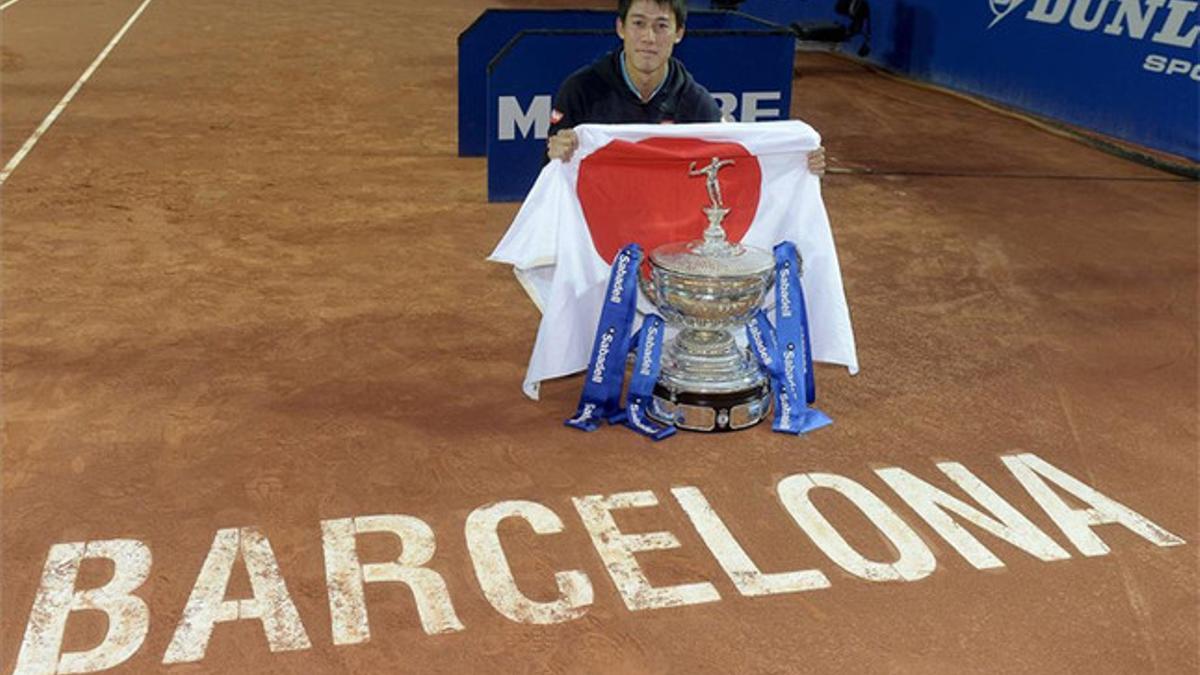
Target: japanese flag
column 632, row 183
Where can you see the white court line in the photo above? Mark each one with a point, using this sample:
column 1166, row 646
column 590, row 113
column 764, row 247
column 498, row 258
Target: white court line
column 8, row 4
column 32, row 140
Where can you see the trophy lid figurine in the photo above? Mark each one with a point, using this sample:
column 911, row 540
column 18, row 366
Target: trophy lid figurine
column 705, row 288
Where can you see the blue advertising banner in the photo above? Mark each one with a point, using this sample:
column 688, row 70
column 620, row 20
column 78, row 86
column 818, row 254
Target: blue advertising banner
column 1128, row 69
column 483, row 39
column 748, row 72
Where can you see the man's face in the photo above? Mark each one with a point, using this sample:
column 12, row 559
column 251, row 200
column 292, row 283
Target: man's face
column 650, row 34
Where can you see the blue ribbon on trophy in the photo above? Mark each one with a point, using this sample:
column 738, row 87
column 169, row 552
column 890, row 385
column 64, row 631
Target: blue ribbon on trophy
column 782, row 350
column 647, row 364
column 791, row 322
column 601, row 397
column 762, row 343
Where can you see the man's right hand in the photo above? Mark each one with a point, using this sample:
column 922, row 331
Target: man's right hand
column 562, row 145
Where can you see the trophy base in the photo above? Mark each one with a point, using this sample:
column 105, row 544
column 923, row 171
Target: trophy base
column 712, row 412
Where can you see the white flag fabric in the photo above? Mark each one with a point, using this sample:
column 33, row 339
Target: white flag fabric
column 634, row 183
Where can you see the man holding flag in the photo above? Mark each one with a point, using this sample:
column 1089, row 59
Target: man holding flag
column 639, row 83
column 623, row 177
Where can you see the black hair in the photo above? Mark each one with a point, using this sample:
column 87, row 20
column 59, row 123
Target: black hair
column 679, row 7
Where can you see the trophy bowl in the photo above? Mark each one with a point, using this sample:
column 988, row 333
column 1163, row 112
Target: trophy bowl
column 706, row 288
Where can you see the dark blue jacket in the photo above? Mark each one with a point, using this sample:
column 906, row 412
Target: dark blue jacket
column 598, row 94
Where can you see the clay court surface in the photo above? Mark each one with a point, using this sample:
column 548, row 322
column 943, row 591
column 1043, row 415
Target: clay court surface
column 244, row 286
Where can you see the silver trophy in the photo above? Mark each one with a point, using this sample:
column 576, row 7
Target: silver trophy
column 705, row 288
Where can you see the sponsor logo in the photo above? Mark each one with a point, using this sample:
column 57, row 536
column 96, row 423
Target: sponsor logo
column 635, row 417
column 789, row 366
column 647, row 365
column 785, row 409
column 1002, row 8
column 585, row 414
column 618, row 284
column 513, row 120
column 785, row 295
column 606, row 341
column 785, row 393
column 760, row 346
column 1166, row 22
column 518, row 120
column 752, row 106
column 1162, row 65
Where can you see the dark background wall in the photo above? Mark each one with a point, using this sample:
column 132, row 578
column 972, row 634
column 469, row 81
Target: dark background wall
column 1124, row 68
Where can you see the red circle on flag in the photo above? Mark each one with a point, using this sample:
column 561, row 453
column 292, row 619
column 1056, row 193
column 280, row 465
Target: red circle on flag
column 641, row 192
